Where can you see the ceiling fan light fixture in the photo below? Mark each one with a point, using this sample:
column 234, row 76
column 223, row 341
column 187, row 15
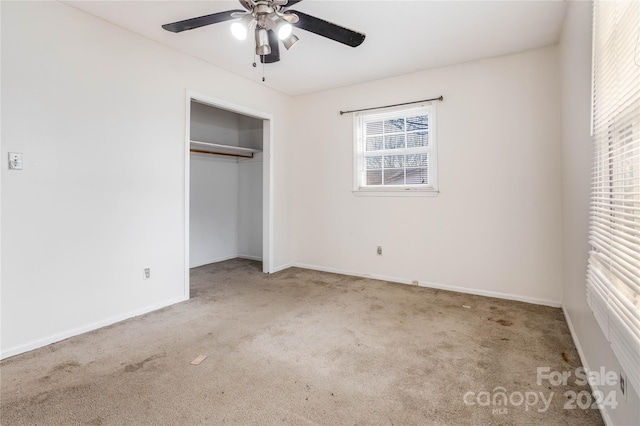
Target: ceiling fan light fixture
column 290, row 41
column 282, row 28
column 240, row 29
column 262, row 42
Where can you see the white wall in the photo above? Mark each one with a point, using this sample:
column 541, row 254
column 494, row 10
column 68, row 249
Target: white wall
column 575, row 54
column 250, row 190
column 250, row 207
column 214, row 125
column 250, row 132
column 213, row 211
column 99, row 114
column 494, row 228
column 213, row 221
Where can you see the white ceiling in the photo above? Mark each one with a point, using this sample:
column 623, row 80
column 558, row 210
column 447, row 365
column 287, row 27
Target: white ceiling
column 402, row 36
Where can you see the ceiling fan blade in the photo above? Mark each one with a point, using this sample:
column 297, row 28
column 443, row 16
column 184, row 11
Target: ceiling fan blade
column 190, row 24
column 274, row 56
column 328, row 30
column 292, row 3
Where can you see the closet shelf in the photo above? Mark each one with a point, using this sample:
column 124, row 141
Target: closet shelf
column 219, row 149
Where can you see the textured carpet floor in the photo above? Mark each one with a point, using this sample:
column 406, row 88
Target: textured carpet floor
column 302, row 347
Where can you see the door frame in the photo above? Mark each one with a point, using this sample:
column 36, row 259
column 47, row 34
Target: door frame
column 267, row 175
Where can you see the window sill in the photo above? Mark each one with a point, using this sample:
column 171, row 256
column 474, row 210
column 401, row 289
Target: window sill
column 395, row 192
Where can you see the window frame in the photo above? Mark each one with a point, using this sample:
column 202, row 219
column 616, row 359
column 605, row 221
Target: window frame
column 359, row 141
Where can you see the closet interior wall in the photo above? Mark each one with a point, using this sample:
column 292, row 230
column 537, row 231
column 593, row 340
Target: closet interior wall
column 225, row 192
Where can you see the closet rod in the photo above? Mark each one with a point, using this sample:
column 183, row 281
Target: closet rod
column 440, row 98
column 221, row 153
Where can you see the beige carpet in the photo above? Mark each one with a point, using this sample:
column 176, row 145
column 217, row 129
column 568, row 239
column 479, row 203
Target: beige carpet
column 302, row 347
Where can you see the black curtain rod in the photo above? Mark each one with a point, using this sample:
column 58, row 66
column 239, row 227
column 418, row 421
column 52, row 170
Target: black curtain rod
column 390, row 106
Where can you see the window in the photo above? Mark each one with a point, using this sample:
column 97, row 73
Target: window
column 395, row 151
column 613, row 275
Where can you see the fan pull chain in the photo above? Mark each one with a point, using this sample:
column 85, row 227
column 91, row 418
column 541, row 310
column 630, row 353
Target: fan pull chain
column 255, row 65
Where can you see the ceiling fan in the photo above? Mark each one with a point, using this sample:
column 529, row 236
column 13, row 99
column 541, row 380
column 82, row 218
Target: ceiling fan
column 271, row 20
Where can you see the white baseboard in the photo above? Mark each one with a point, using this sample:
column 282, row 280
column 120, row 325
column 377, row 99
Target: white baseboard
column 496, row 294
column 583, row 360
column 246, row 256
column 458, row 289
column 214, row 260
column 222, row 259
column 282, row 267
column 35, row 344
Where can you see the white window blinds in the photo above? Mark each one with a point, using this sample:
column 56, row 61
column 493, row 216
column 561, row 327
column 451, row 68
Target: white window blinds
column 395, row 149
column 613, row 275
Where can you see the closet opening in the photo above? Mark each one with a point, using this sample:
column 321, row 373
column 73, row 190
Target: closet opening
column 228, row 162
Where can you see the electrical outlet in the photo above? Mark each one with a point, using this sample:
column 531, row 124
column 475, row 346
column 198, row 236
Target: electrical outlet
column 15, row 161
column 379, row 251
column 414, row 282
column 147, row 273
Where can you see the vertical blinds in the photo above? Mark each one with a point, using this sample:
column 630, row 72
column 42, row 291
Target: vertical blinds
column 613, row 274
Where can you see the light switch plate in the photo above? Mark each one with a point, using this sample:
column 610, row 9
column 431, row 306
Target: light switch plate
column 15, row 161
